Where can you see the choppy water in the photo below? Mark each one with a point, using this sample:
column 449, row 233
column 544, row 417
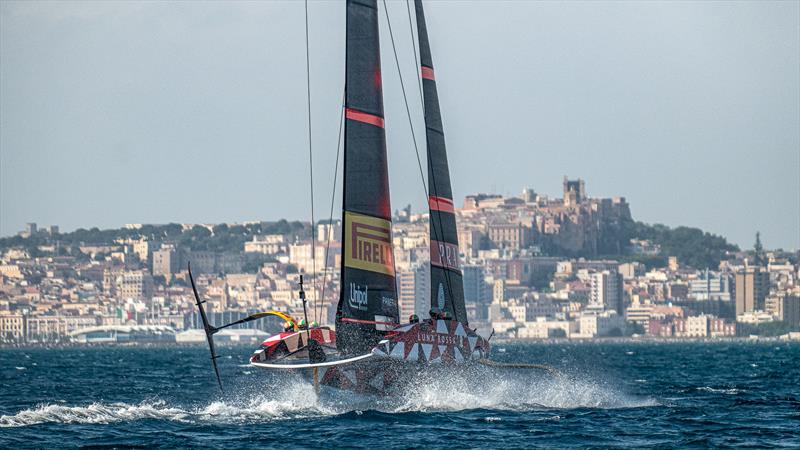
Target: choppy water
column 610, row 395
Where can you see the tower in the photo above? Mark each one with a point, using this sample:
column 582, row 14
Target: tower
column 574, row 191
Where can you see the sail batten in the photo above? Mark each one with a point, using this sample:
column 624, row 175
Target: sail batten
column 447, row 286
column 368, row 296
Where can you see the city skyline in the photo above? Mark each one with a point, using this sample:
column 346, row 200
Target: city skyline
column 78, row 292
column 166, row 113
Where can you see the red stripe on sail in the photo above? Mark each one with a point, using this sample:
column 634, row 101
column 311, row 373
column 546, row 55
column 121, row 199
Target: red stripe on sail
column 440, row 204
column 363, row 117
column 427, row 73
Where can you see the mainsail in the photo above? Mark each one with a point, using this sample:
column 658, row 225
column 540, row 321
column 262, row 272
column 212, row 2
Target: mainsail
column 447, row 287
column 368, row 295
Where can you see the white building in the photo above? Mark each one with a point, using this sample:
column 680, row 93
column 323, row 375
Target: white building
column 135, row 284
column 697, row 326
column 542, row 328
column 598, row 325
column 414, row 291
column 710, row 287
column 606, row 290
column 329, row 232
column 639, row 312
column 270, row 244
column 300, row 256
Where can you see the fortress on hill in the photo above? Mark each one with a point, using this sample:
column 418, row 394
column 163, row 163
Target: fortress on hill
column 572, row 224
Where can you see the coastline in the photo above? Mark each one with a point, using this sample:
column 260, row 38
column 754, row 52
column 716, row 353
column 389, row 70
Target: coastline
column 495, row 341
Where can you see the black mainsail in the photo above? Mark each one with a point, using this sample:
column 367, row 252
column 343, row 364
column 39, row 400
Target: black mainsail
column 447, row 286
column 368, row 295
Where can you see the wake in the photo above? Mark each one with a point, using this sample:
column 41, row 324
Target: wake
column 96, row 413
column 296, row 399
column 519, row 392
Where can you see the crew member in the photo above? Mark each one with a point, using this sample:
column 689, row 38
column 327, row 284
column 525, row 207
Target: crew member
column 413, row 318
column 314, row 324
column 288, row 326
column 303, row 325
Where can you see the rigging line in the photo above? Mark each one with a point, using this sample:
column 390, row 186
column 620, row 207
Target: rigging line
column 405, row 99
column 333, row 199
column 416, row 58
column 311, row 172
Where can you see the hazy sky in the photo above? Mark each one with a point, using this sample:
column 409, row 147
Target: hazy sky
column 114, row 113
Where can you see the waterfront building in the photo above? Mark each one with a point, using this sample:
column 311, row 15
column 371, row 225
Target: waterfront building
column 791, row 310
column 752, row 288
column 639, row 312
column 12, row 327
column 607, row 323
column 697, row 326
column 755, row 317
column 44, row 329
column 722, row 328
column 543, row 328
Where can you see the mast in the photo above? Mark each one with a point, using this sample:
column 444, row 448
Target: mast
column 368, row 295
column 447, row 286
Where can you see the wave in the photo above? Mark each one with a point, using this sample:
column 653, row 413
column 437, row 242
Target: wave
column 297, row 400
column 731, row 391
column 515, row 393
column 96, row 413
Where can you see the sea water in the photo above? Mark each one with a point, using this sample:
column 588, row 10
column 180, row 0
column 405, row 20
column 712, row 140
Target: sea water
column 607, row 395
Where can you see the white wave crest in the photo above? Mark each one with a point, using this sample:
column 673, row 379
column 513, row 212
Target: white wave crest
column 517, row 392
column 731, row 391
column 94, row 413
column 296, row 398
column 296, row 401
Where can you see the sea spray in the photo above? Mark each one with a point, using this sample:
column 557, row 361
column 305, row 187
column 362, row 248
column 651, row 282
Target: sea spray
column 688, row 399
column 511, row 389
column 292, row 397
column 95, row 413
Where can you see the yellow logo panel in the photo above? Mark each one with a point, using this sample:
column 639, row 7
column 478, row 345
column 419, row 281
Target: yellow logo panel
column 370, row 244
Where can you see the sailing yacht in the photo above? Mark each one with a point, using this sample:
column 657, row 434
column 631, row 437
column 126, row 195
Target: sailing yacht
column 371, row 349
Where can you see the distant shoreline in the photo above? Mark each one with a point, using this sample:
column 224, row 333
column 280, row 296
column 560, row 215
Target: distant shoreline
column 640, row 340
column 495, row 342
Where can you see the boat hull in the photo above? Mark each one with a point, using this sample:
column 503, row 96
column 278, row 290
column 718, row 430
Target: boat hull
column 406, row 353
